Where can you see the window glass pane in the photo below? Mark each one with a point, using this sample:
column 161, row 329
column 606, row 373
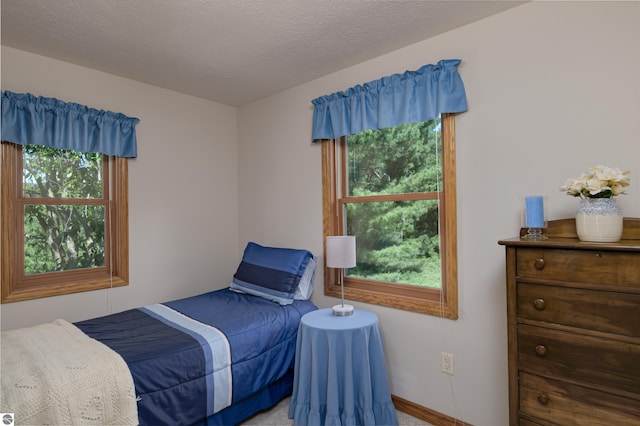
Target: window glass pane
column 54, row 173
column 63, row 237
column 396, row 241
column 402, row 159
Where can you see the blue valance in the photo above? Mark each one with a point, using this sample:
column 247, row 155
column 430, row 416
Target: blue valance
column 411, row 97
column 28, row 120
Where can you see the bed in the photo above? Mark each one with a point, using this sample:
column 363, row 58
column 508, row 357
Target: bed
column 216, row 358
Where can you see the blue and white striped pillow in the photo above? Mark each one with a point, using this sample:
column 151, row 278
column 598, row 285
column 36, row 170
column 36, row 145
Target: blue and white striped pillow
column 277, row 274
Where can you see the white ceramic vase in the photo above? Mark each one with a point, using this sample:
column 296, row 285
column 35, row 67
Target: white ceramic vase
column 599, row 220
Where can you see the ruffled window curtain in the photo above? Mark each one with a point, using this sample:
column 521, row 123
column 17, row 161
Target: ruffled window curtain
column 27, row 119
column 411, row 97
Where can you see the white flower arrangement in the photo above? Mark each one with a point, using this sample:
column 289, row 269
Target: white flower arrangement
column 599, row 182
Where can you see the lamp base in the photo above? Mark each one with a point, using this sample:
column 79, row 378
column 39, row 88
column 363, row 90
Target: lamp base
column 342, row 310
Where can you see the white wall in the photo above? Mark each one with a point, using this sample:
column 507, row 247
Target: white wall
column 183, row 194
column 553, row 89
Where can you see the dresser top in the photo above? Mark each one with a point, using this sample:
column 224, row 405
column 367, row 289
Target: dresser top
column 562, row 234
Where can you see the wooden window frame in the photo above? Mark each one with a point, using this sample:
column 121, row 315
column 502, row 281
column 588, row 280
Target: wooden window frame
column 15, row 286
column 444, row 302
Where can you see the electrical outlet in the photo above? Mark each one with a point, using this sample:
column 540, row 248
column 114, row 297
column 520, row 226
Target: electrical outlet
column 447, row 363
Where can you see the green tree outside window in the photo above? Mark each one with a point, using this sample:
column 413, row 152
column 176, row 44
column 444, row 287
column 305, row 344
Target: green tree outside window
column 64, row 210
column 397, row 241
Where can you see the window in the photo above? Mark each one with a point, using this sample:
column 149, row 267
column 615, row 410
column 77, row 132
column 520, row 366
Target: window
column 394, row 189
column 64, row 222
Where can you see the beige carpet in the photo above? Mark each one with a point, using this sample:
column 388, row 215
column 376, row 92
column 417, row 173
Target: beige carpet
column 279, row 416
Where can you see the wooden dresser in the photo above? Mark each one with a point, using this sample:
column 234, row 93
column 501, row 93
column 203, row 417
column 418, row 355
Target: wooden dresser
column 574, row 328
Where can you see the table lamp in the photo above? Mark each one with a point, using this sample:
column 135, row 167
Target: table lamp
column 341, row 254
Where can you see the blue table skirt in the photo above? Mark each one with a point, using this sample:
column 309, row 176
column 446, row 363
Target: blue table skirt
column 340, row 372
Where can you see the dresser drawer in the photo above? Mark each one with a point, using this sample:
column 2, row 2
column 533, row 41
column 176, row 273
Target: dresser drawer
column 582, row 266
column 593, row 360
column 557, row 402
column 604, row 311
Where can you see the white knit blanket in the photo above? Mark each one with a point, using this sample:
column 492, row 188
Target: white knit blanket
column 54, row 374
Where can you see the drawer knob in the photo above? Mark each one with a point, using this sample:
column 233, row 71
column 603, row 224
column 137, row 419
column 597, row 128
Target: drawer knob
column 541, row 350
column 543, row 399
column 539, row 304
column 539, row 264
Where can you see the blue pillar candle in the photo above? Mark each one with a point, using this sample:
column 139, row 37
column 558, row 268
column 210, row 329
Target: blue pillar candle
column 534, row 211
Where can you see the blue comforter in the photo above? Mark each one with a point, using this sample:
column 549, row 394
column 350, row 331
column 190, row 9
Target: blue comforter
column 193, row 357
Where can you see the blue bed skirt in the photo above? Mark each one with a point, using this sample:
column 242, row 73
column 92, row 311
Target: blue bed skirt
column 262, row 400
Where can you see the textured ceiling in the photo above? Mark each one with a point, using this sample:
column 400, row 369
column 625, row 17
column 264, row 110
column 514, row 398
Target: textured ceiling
column 229, row 51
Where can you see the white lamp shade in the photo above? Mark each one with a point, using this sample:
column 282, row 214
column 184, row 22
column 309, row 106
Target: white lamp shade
column 341, row 251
